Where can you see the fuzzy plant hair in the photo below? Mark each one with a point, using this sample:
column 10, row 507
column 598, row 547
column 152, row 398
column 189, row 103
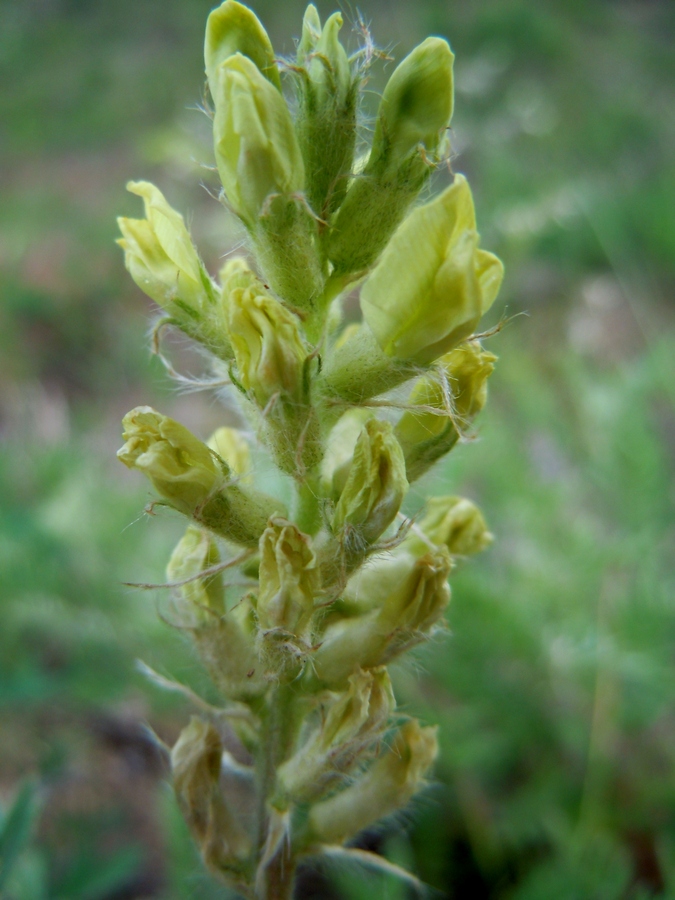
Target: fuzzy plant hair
column 296, row 612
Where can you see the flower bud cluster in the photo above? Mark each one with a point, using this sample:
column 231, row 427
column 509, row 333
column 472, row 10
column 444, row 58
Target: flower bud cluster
column 296, row 612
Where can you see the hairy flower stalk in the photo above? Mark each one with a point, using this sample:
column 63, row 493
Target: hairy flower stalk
column 297, row 610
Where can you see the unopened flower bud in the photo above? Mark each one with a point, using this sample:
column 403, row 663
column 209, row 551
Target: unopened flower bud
column 162, row 260
column 458, row 390
column 196, row 768
column 257, row 151
column 457, row 524
column 350, row 723
column 390, row 605
column 416, row 105
column 432, row 285
column 414, row 112
column 386, row 787
column 375, row 486
column 288, row 578
column 232, row 446
column 224, row 639
column 192, row 478
column 326, row 121
column 262, row 171
column 234, row 28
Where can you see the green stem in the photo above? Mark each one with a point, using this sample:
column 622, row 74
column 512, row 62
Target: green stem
column 277, row 739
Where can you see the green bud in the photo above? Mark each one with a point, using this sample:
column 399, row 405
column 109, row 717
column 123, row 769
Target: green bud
column 326, row 120
column 232, row 446
column 196, row 769
column 273, row 367
column 375, row 486
column 386, row 787
column 456, row 523
column 262, row 171
column 391, row 604
column 350, row 722
column 234, row 28
column 433, row 284
column 256, row 148
column 192, row 478
column 461, row 382
column 225, row 640
column 414, row 112
column 288, row 579
column 162, row 260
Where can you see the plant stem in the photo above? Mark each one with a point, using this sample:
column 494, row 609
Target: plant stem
column 279, row 731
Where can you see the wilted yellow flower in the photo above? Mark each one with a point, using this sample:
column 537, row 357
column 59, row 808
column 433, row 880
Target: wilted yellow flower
column 376, row 483
column 234, row 28
column 432, row 285
column 196, row 765
column 350, row 722
column 195, row 552
column 224, row 639
column 288, row 578
column 181, row 468
column 460, row 390
column 457, row 524
column 387, row 786
column 390, row 605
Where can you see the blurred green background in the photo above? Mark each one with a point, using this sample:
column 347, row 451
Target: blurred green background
column 555, row 691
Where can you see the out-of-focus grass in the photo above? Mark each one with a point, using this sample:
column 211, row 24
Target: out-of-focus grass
column 554, row 691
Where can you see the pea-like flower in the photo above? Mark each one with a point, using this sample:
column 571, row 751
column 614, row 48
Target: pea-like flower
column 192, row 478
column 350, row 722
column 376, row 483
column 164, row 263
column 387, row 786
column 457, row 524
column 266, row 338
column 288, row 578
column 195, row 766
column 391, row 604
column 433, row 283
column 458, row 390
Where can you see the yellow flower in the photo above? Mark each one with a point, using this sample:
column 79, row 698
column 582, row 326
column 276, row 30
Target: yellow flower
column 433, row 284
column 387, row 786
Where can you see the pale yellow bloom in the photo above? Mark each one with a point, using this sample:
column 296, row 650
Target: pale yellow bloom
column 433, row 284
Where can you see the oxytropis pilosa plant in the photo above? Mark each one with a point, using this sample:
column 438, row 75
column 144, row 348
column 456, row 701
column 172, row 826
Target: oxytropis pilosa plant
column 296, row 611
